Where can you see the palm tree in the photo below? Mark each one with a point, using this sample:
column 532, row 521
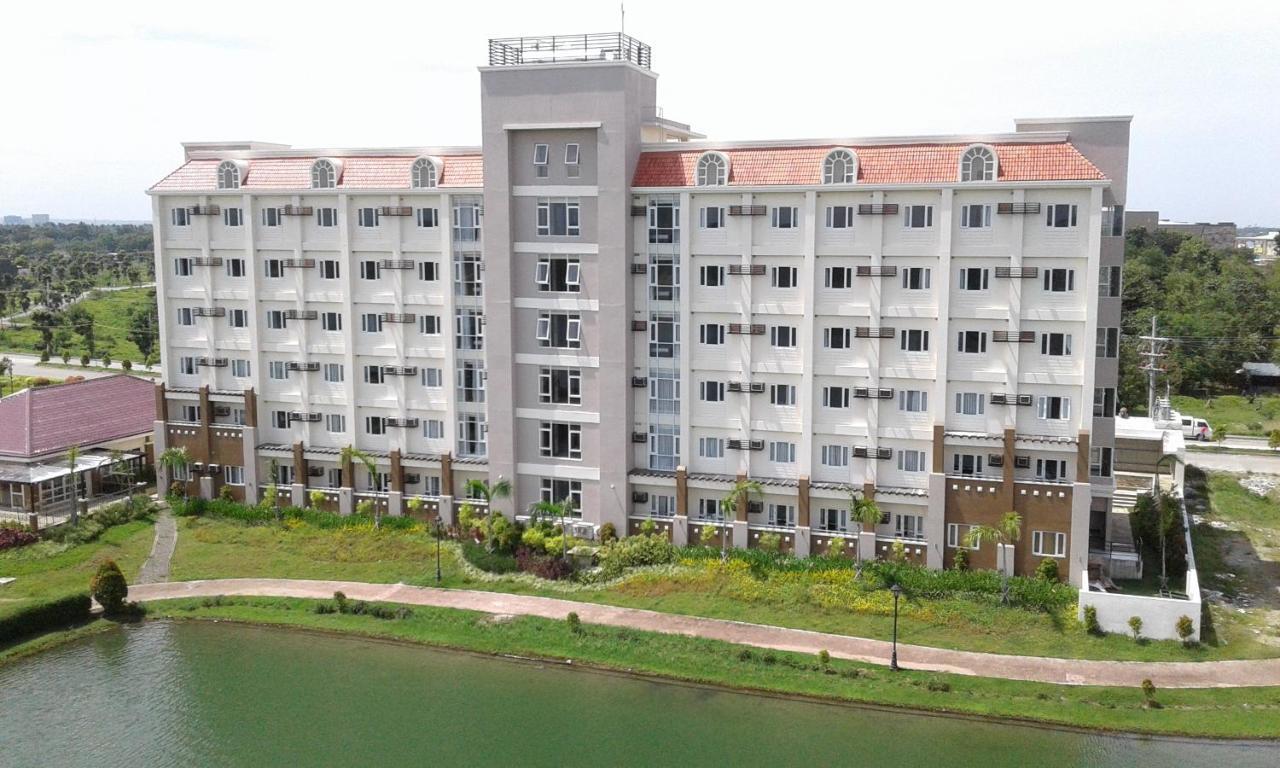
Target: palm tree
column 1003, row 534
column 864, row 512
column 174, row 460
column 562, row 509
column 742, row 490
column 352, row 454
column 498, row 490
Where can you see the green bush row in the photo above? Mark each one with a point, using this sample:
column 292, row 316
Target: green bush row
column 45, row 616
column 234, row 510
column 93, row 526
column 492, row 562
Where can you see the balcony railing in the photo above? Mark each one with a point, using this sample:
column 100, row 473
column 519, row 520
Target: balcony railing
column 551, row 49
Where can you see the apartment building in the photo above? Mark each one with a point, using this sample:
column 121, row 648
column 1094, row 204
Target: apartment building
column 599, row 304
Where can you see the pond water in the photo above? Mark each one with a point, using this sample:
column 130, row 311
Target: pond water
column 203, row 694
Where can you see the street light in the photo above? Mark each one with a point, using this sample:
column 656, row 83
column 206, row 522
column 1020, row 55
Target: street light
column 893, row 659
column 439, row 536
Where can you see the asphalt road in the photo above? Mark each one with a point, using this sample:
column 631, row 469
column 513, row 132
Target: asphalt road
column 29, row 365
column 1252, row 461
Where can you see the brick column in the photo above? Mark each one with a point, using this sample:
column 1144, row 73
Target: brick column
column 446, row 474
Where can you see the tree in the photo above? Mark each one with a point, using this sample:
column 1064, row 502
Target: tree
column 175, row 461
column 482, row 488
column 109, row 587
column 44, row 321
column 78, row 319
column 740, row 493
column 1003, row 534
column 106, row 361
column 350, row 454
column 6, row 369
column 143, row 327
column 562, row 509
column 864, row 512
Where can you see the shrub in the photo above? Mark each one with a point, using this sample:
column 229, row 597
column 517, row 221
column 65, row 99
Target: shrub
column 770, row 542
column 44, row 356
column 824, row 657
column 225, row 493
column 109, row 588
column 961, row 561
column 317, row 499
column 84, row 361
column 41, row 381
column 534, row 539
column 466, row 518
column 1273, row 439
column 648, row 527
column 1186, row 628
column 1091, row 624
column 575, row 623
column 552, row 568
column 708, row 534
column 12, row 538
column 608, row 533
column 938, row 686
column 746, row 654
column 1047, row 569
column 899, row 551
column 633, row 551
column 490, row 562
column 1149, row 693
column 769, row 657
column 505, row 534
column 72, row 379
column 1135, row 626
column 45, row 616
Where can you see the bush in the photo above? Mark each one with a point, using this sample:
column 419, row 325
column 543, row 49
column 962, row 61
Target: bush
column 505, row 534
column 490, row 562
column 1186, row 628
column 552, row 568
column 707, row 534
column 608, row 533
column 12, row 538
column 126, row 364
column 635, row 551
column 824, row 657
column 41, row 381
column 341, row 604
column 84, row 361
column 575, row 623
column 648, row 527
column 1091, row 624
column 225, row 493
column 1047, row 569
column 938, row 686
column 45, row 616
column 90, row 528
column 770, row 542
column 109, row 587
column 961, row 560
column 467, row 519
column 898, row 551
column 1135, row 626
column 318, row 498
column 746, row 654
column 534, row 539
column 1149, row 693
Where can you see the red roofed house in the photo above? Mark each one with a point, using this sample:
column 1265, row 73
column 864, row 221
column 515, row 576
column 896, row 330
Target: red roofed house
column 110, row 419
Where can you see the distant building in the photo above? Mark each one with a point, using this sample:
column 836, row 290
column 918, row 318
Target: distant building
column 1220, row 235
column 1260, row 377
column 1263, row 246
column 39, row 219
column 12, row 221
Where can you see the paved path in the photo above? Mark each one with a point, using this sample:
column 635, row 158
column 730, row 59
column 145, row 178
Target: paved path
column 1245, row 461
column 1207, row 674
column 156, row 569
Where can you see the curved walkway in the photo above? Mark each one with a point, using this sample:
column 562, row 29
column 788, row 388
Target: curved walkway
column 156, row 568
column 1174, row 674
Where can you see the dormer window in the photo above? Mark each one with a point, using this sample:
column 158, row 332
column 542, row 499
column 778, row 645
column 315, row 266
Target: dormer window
column 324, row 174
column 228, row 175
column 423, row 175
column 840, row 167
column 978, row 164
column 713, row 170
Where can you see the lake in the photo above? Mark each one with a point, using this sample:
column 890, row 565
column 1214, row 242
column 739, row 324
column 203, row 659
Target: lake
column 205, row 694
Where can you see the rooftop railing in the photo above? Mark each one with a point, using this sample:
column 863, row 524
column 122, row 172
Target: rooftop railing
column 606, row 46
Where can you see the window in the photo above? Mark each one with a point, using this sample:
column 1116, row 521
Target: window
column 1108, row 344
column 469, row 329
column 711, row 217
column 711, row 447
column 558, row 218
column 917, row 216
column 711, row 276
column 1055, row 344
column 271, row 217
column 838, row 277
column 664, row 278
column 664, row 335
column 190, row 413
column 324, row 175
column 561, row 386
column 375, row 425
column 661, row 505
column 1053, row 407
column 428, row 271
column 273, row 268
column 556, row 274
column 186, row 316
column 370, row 270
column 713, row 170
column 558, row 330
column 187, row 365
column 782, row 452
column 280, row 419
column 429, row 325
column 664, row 391
column 468, row 274
column 334, row 477
column 433, row 429
column 559, row 440
column 840, row 167
column 711, row 391
column 330, row 269
column 1048, row 544
column 974, row 278
column 1109, row 282
column 709, row 509
column 1060, row 216
column 334, row 373
column 835, row 397
column 427, row 218
column 240, row 368
column 908, row 526
column 233, row 217
column 785, row 217
column 541, row 153
column 664, row 222
column 233, row 475
column 978, row 164
column 423, row 174
column 473, row 435
column 330, row 321
column 911, row 461
column 782, row 394
column 958, row 535
column 236, row 268
column 1104, row 402
column 833, row 520
column 326, row 217
column 1059, row 280
column 371, row 322
column 432, row 378
column 228, row 175
column 914, row 341
column 781, row 515
column 966, row 464
column 467, row 222
column 784, row 277
column 916, row 278
column 1100, row 462
column 276, row 369
column 367, row 217
column 972, row 342
column 335, row 422
column 664, row 446
column 975, row 216
column 373, row 374
column 182, row 266
column 276, row 319
column 837, row 338
column 472, row 381
column 711, row 333
column 970, row 403
column 835, row 455
column 553, row 491
column 179, row 217
column 839, row 217
column 571, row 157
column 238, row 318
column 782, row 335
column 913, row 400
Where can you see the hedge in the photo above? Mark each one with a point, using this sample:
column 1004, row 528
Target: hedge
column 45, row 616
column 261, row 513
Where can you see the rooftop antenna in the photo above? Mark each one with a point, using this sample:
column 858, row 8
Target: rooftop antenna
column 623, row 8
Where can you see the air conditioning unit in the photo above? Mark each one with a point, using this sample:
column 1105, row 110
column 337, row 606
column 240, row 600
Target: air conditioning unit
column 639, row 382
column 757, row 387
column 1022, row 462
column 885, row 393
column 212, row 469
column 860, row 451
column 735, row 444
column 884, row 453
column 861, row 392
column 639, row 269
column 639, row 325
column 755, row 507
column 413, row 479
column 1024, row 400
column 221, row 410
column 999, row 398
column 757, row 445
column 640, row 497
column 315, row 471
column 995, row 460
column 639, row 437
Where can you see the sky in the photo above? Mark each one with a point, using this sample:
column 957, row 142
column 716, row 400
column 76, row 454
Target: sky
column 99, row 96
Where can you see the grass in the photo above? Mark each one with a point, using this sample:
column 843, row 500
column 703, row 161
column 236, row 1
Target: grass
column 1233, row 414
column 110, row 311
column 1223, row 713
column 209, row 549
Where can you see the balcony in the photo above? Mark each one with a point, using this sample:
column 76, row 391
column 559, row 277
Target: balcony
column 1018, row 272
column 877, row 209
column 552, row 49
column 864, row 332
column 746, row 269
column 211, row 362
column 748, row 210
column 1021, row 337
column 1017, row 208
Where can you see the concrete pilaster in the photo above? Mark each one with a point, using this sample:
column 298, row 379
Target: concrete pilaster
column 802, row 543
column 346, row 501
column 298, row 495
column 680, row 530
column 740, row 532
column 395, row 503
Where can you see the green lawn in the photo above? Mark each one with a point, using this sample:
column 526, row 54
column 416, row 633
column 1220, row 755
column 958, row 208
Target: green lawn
column 1233, row 414
column 1236, row 713
column 223, row 549
column 110, row 311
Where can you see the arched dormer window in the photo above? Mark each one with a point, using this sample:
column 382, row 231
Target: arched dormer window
column 840, row 167
column 713, row 170
column 424, row 174
column 978, row 163
column 228, row 175
column 324, row 174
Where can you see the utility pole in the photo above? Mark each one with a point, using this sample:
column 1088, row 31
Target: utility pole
column 1152, row 364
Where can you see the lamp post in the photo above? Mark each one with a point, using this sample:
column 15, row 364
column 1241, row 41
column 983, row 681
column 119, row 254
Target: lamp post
column 893, row 659
column 439, row 536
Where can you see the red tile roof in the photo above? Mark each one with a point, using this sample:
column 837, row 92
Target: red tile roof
column 45, row 420
column 392, row 172
column 877, row 164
